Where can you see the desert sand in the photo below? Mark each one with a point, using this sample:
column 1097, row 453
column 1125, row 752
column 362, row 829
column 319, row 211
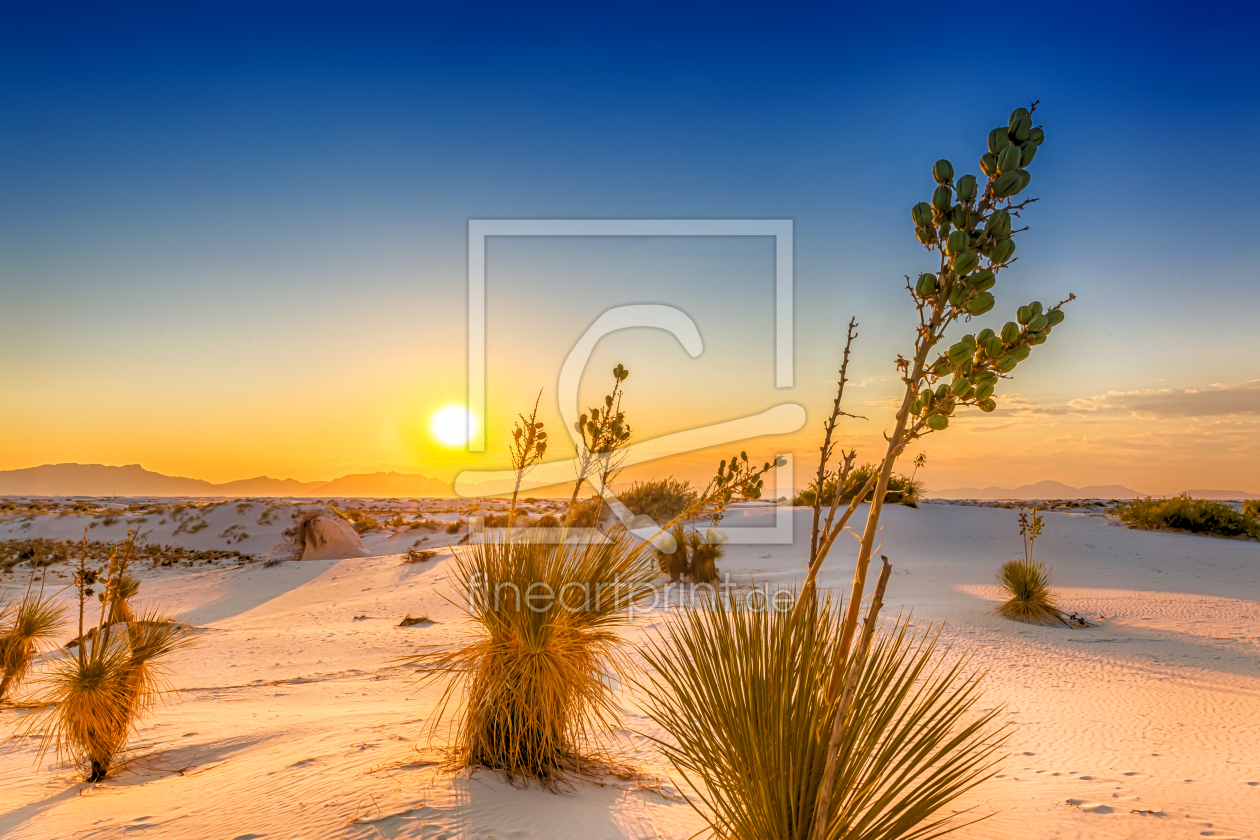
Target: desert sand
column 292, row 719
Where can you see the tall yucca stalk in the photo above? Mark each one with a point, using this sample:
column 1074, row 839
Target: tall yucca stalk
column 95, row 694
column 537, row 678
column 25, row 627
column 742, row 695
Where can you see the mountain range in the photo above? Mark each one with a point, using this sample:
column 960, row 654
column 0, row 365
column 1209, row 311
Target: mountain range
column 134, row 480
column 1059, row 490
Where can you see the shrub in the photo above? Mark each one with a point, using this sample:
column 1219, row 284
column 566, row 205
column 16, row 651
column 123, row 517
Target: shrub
column 1027, row 586
column 536, row 679
column 1251, row 508
column 663, row 499
column 1184, row 513
column 902, row 490
column 742, row 696
column 587, row 513
column 453, row 528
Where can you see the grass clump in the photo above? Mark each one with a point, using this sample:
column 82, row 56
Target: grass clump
column 695, row 555
column 902, row 489
column 25, row 628
column 535, row 687
column 742, row 695
column 1185, row 513
column 1251, row 508
column 663, row 499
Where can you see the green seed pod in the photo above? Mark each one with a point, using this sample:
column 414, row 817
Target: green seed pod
column 999, row 139
column 965, row 262
column 1025, row 178
column 1002, row 251
column 984, row 390
column 1007, row 183
column 1037, row 338
column 988, row 164
column 969, row 340
column 941, row 391
column 958, row 294
column 1010, row 332
column 943, row 171
column 1008, row 160
column 999, row 225
column 1017, row 115
column 943, row 197
column 1019, row 131
column 959, row 352
column 1053, row 318
column 926, row 287
column 957, row 242
column 983, row 280
column 941, row 365
column 1036, row 135
column 1037, row 323
column 983, row 336
column 966, row 187
column 1024, row 315
column 1020, row 352
column 937, row 422
column 986, row 405
column 959, row 216
column 993, row 347
column 1007, row 363
column 945, row 228
column 1027, row 151
column 981, row 303
column 927, row 235
column 1036, row 307
column 959, row 387
column 922, row 214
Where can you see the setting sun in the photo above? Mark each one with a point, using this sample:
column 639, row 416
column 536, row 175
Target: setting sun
column 452, row 425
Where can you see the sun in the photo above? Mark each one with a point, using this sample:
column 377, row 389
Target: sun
column 452, row 425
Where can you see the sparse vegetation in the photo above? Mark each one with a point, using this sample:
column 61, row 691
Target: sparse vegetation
column 419, row 555
column 25, row 627
column 1184, row 513
column 49, row 552
column 1251, row 508
column 663, row 499
column 902, row 490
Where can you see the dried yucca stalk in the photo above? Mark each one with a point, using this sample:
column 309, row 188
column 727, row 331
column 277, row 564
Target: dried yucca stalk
column 536, row 680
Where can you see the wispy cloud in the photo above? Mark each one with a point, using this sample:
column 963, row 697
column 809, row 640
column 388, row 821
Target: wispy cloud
column 1210, row 401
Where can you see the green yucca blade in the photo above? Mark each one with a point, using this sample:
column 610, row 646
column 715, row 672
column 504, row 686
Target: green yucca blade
column 1027, row 586
column 536, row 676
column 741, row 695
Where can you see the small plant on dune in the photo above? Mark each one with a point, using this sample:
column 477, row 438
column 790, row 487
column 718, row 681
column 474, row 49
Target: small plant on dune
column 94, row 695
column 1251, row 508
column 534, row 684
column 662, row 498
column 602, row 434
column 1026, row 581
column 1185, row 513
column 453, row 527
column 866, row 726
column 25, row 628
column 529, row 445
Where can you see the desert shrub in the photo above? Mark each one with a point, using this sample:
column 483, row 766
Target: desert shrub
column 1184, row 513
column 1251, row 508
column 724, row 678
column 587, row 513
column 902, row 490
column 547, row 520
column 536, row 688
column 25, row 627
column 663, row 499
column 694, row 556
column 453, row 528
column 1026, row 583
column 414, row 555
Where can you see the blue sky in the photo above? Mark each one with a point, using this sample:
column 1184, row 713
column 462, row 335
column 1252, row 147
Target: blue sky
column 200, row 205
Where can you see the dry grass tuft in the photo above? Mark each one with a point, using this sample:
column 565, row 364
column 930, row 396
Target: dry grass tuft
column 25, row 628
column 1027, row 585
column 536, row 679
column 742, row 697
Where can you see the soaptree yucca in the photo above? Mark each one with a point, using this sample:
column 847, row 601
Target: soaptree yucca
column 742, row 695
column 25, row 627
column 534, row 685
column 98, row 687
column 1026, row 581
column 968, row 229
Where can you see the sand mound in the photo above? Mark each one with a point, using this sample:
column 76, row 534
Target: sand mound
column 319, row 535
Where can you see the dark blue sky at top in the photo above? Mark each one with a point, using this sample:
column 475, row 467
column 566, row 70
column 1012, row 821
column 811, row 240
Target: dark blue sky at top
column 203, row 149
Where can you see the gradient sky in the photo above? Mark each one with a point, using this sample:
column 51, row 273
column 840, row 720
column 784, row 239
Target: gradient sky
column 233, row 236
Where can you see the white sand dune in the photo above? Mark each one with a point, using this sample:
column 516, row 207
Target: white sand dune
column 293, row 720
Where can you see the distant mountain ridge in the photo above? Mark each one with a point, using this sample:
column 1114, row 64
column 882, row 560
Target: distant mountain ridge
column 1059, row 490
column 134, row 480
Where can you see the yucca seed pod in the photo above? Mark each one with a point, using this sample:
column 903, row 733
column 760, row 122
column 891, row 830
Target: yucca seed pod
column 966, row 188
column 1006, row 184
column 937, row 422
column 1036, row 307
column 1007, row 363
column 947, row 406
column 959, row 387
column 1017, row 115
column 1010, row 332
column 969, row 340
column 959, row 216
column 984, row 390
column 926, row 235
column 1037, row 323
column 943, row 197
column 999, row 225
column 965, row 262
column 926, row 287
column 983, row 280
column 941, row 365
column 1037, row 338
column 922, row 214
column 1024, row 315
column 941, row 391
column 986, row 405
column 999, row 139
column 1053, row 318
column 916, row 408
column 1019, row 131
column 983, row 336
column 1008, row 159
column 988, row 164
column 1002, row 251
column 1025, row 178
column 957, row 353
column 1027, row 151
column 958, row 294
column 1036, row 135
column 1020, row 352
column 956, row 242
column 981, row 303
column 943, row 171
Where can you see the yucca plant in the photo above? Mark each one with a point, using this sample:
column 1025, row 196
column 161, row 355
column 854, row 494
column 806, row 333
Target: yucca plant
column 25, row 628
column 742, row 695
column 534, row 684
column 1026, row 582
column 94, row 695
column 706, row 550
